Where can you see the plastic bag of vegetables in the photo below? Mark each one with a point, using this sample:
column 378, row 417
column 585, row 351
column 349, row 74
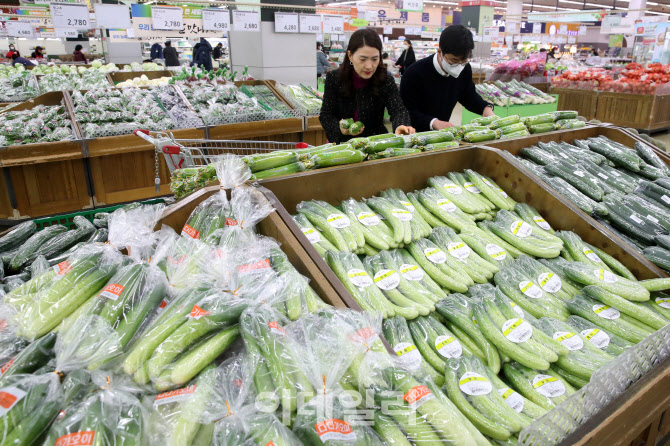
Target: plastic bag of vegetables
column 111, row 415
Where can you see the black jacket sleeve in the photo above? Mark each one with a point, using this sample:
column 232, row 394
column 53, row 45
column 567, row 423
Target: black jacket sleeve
column 469, row 97
column 410, row 58
column 410, row 92
column 328, row 117
column 393, row 103
column 401, row 59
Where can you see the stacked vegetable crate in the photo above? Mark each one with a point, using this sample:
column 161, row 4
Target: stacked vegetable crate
column 361, row 181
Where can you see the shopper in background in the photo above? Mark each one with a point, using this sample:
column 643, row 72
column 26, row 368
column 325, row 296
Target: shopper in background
column 217, row 52
column 361, row 89
column 431, row 87
column 202, row 54
column 12, row 51
column 156, row 51
column 322, row 63
column 387, row 62
column 37, row 54
column 595, row 52
column 551, row 54
column 16, row 59
column 171, row 56
column 78, row 55
column 407, row 57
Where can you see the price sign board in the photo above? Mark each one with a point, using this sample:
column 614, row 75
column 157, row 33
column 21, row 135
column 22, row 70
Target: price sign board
column 333, row 24
column 310, row 23
column 112, row 16
column 537, row 28
column 216, row 20
column 388, row 30
column 412, row 5
column 19, row 29
column 70, row 15
column 167, row 18
column 246, row 21
column 66, row 32
column 286, row 22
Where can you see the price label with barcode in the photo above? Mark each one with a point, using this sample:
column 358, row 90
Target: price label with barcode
column 216, row 20
column 69, row 15
column 310, row 23
column 286, row 22
column 167, row 18
column 246, row 21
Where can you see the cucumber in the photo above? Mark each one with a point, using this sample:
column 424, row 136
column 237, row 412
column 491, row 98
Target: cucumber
column 527, row 382
column 530, row 215
column 338, row 158
column 615, row 266
column 579, row 252
column 455, row 193
column 376, row 233
column 481, row 135
column 632, row 309
column 655, row 193
column 538, row 156
column 17, row 235
column 580, row 179
column 286, row 169
column 541, row 128
column 381, row 145
column 649, row 155
column 575, row 196
column 265, row 161
column 649, row 211
column 599, row 337
column 625, row 158
column 444, row 209
column 503, row 122
column 25, row 253
column 658, row 256
column 84, row 229
column 544, row 118
column 432, row 220
column 588, row 275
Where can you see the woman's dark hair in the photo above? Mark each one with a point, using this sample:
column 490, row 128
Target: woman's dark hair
column 457, row 40
column 318, row 45
column 543, row 50
column 359, row 39
column 168, row 43
column 407, row 41
column 78, row 48
column 38, row 48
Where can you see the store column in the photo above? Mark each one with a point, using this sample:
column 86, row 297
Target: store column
column 513, row 22
column 477, row 14
column 289, row 58
column 636, row 4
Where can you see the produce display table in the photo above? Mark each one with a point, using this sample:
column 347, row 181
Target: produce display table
column 521, row 110
column 582, row 101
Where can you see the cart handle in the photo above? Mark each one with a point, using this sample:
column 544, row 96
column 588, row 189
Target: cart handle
column 172, row 150
column 144, row 134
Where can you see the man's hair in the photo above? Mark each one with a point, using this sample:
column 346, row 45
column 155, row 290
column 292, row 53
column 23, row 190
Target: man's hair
column 78, row 48
column 385, row 56
column 168, row 43
column 457, row 40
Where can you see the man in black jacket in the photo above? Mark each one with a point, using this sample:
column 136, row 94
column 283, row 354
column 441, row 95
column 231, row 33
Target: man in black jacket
column 432, row 86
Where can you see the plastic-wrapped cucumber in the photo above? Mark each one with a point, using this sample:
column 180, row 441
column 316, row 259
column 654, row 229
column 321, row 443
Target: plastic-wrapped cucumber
column 333, row 224
column 620, row 156
column 359, row 143
column 548, row 279
column 286, row 169
column 635, row 310
column 403, row 151
column 513, row 128
column 470, row 187
column 519, row 285
column 589, row 275
column 388, row 153
column 396, row 216
column 454, row 192
column 356, row 128
column 544, row 118
column 476, row 267
column 490, row 190
column 578, row 250
column 546, row 388
column 658, row 256
column 412, row 271
column 516, row 134
column 270, row 160
column 608, row 342
column 538, row 155
column 484, row 120
column 444, row 209
column 579, row 199
column 531, row 216
column 565, row 124
column 542, row 128
column 441, row 146
column 649, row 155
column 525, row 237
column 433, row 261
column 487, row 248
column 504, row 122
column 338, row 158
column 565, row 114
column 425, row 138
column 481, row 135
column 377, row 233
column 432, row 220
column 654, row 193
column 320, row 243
column 346, row 123
column 379, row 145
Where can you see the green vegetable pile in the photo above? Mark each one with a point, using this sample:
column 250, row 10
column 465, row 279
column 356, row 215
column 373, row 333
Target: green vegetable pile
column 627, row 189
column 42, row 123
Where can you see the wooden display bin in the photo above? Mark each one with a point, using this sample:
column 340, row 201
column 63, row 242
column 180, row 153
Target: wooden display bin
column 273, row 226
column 639, row 111
column 582, row 101
column 514, row 146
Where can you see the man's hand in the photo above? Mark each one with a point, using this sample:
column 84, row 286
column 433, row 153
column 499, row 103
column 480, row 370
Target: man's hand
column 404, row 130
column 439, row 125
column 488, row 111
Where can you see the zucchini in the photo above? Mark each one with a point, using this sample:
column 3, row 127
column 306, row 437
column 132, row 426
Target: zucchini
column 541, row 128
column 503, row 122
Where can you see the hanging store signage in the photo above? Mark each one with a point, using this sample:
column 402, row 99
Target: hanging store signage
column 310, row 23
column 246, row 21
column 112, row 16
column 167, row 18
column 286, row 22
column 70, row 15
column 19, row 29
column 216, row 20
column 66, row 32
column 333, row 24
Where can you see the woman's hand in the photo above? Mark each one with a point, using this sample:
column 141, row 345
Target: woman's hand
column 343, row 130
column 404, row 130
column 488, row 111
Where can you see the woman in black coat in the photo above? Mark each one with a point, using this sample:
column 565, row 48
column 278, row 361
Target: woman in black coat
column 361, row 89
column 407, row 57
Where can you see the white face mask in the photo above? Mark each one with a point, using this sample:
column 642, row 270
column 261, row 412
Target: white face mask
column 452, row 70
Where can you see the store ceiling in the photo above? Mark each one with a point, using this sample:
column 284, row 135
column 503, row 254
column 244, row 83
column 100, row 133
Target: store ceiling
column 654, row 7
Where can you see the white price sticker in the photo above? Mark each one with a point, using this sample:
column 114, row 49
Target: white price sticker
column 496, row 252
column 541, row 222
column 387, row 279
column 474, row 384
column 359, row 278
column 453, row 188
column 459, row 250
column 19, row 29
column 596, row 337
column 606, row 312
column 112, row 16
column 663, row 301
column 579, row 173
column 402, row 214
column 548, row 386
column 408, row 354
column 69, row 15
column 530, row 289
column 66, row 32
column 550, row 282
column 167, row 18
column 216, row 20
column 570, row 340
column 470, row 187
column 435, row 255
column 338, row 221
column 517, row 309
column 446, row 205
column 517, row 330
column 448, row 346
column 310, row 23
column 521, row 229
column 333, row 24
column 312, row 235
column 286, row 22
column 408, row 205
column 411, row 272
column 588, row 252
column 513, row 399
column 605, row 276
column 246, row 21
column 368, row 218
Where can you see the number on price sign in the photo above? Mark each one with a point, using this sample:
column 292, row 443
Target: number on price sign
column 310, row 23
column 66, row 32
column 167, row 18
column 246, row 21
column 70, row 15
column 216, row 20
column 19, row 29
column 286, row 22
column 333, row 24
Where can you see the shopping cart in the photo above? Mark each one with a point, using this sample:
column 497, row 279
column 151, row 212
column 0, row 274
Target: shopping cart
column 181, row 153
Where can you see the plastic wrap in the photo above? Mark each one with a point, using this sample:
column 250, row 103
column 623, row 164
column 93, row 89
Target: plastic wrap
column 208, row 216
column 68, row 286
column 103, row 328
column 132, row 227
column 546, row 278
column 547, row 389
column 477, row 268
column 520, row 285
column 10, row 343
column 587, row 274
column 440, row 266
column 470, row 389
column 231, row 171
column 320, row 243
column 531, row 240
column 29, row 359
column 444, row 208
column 183, row 260
column 583, row 359
column 486, row 246
column 375, row 230
column 29, row 404
column 112, row 415
column 608, row 342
